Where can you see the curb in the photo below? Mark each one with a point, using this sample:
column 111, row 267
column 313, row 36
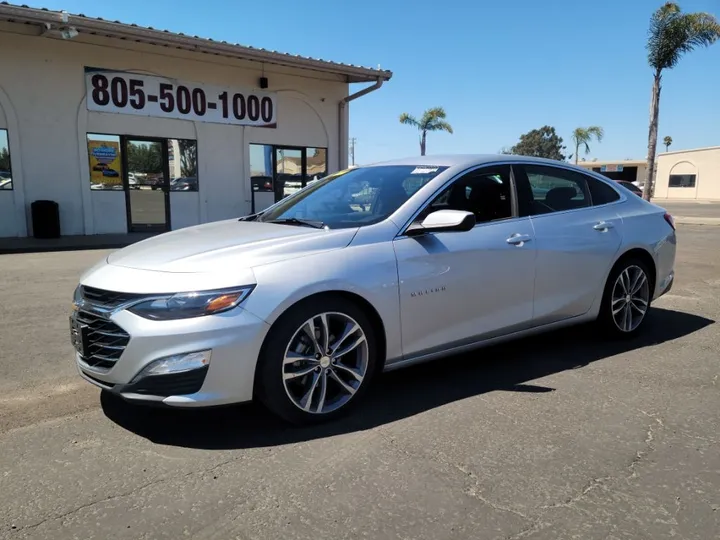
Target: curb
column 697, row 221
column 52, row 249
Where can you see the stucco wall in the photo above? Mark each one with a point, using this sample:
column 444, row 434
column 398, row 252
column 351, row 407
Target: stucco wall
column 704, row 163
column 42, row 105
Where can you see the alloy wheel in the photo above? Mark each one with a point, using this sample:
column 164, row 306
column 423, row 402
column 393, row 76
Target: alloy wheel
column 325, row 363
column 630, row 298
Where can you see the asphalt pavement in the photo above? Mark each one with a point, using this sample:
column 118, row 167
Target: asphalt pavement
column 701, row 212
column 559, row 436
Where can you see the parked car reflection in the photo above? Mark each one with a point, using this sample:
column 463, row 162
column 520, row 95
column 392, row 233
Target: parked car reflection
column 189, row 183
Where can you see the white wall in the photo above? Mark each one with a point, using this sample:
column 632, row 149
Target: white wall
column 42, row 104
column 704, row 163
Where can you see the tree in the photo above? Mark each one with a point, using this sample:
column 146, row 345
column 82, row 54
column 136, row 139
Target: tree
column 4, row 159
column 543, row 142
column 671, row 35
column 432, row 120
column 144, row 158
column 667, row 141
column 188, row 157
column 582, row 137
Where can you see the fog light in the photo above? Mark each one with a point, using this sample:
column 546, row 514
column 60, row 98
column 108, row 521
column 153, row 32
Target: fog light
column 177, row 363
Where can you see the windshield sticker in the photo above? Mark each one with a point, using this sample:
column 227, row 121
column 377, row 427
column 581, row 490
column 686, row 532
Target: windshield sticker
column 424, row 170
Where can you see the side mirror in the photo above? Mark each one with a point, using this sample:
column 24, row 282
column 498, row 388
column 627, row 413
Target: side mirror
column 443, row 221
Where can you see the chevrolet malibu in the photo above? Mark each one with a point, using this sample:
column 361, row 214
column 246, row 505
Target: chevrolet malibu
column 301, row 305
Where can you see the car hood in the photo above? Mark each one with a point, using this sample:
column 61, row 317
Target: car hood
column 225, row 245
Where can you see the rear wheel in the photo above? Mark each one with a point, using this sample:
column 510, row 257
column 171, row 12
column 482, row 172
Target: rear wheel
column 318, row 361
column 626, row 298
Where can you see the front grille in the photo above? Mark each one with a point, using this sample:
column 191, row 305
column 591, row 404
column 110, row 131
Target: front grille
column 108, row 299
column 106, row 341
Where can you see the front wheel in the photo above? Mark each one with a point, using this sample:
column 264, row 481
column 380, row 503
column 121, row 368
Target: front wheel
column 626, row 299
column 318, row 360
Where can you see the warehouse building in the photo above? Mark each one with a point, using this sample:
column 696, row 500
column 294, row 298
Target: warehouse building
column 689, row 174
column 684, row 174
column 128, row 128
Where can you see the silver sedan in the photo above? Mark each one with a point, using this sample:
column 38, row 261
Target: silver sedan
column 377, row 268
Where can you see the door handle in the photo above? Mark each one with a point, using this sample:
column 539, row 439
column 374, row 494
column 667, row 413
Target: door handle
column 603, row 226
column 518, row 239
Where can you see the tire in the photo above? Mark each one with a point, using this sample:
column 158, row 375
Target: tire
column 618, row 325
column 283, row 387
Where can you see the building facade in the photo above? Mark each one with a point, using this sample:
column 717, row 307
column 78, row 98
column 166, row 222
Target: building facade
column 685, row 174
column 628, row 170
column 134, row 129
column 689, row 174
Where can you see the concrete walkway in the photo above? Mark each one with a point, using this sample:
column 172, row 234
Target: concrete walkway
column 70, row 243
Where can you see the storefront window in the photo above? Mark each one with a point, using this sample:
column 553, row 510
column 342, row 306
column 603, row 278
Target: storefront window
column 145, row 163
column 182, row 160
column 261, row 167
column 105, row 162
column 316, row 164
column 5, row 165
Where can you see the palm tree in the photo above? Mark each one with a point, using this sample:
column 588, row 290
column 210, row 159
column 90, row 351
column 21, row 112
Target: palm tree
column 432, row 120
column 672, row 34
column 582, row 137
column 667, row 141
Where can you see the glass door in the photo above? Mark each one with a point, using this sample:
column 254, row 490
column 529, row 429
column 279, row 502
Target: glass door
column 289, row 171
column 146, row 180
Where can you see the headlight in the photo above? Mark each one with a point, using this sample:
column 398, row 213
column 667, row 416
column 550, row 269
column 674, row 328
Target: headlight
column 192, row 304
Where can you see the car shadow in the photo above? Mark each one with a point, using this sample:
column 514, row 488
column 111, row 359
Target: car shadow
column 402, row 393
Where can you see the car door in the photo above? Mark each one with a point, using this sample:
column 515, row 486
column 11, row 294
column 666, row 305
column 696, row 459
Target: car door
column 460, row 287
column 575, row 240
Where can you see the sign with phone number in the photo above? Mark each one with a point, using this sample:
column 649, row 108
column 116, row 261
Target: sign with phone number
column 143, row 95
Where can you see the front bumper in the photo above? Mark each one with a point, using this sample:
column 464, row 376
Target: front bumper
column 234, row 339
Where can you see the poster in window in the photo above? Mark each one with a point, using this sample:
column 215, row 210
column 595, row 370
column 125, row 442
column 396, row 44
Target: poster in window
column 105, row 164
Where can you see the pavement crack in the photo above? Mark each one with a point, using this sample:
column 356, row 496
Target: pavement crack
column 531, row 529
column 124, row 494
column 474, row 492
column 587, row 488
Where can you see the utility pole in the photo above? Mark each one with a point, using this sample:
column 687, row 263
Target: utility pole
column 352, row 149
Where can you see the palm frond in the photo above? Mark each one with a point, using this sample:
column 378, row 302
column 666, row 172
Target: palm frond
column 440, row 125
column 597, row 132
column 673, row 33
column 408, row 119
column 432, row 115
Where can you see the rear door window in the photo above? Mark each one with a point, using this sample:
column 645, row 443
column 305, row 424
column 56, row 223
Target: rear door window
column 555, row 190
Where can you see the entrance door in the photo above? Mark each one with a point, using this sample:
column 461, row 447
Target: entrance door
column 147, row 186
column 289, row 171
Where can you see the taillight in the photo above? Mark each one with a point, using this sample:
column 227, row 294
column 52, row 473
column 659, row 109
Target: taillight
column 669, row 220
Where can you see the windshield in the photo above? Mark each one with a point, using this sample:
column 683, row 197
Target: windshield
column 357, row 197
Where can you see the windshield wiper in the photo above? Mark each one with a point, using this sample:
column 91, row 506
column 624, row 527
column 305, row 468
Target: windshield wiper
column 302, row 222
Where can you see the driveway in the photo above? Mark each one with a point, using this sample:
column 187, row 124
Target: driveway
column 559, row 436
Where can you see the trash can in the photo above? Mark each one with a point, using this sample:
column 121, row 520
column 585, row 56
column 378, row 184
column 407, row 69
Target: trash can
column 45, row 219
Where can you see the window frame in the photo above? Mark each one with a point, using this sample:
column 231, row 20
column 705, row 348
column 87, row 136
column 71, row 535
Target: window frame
column 122, row 138
column 694, row 181
column 402, row 232
column 197, row 164
column 10, row 160
column 587, row 175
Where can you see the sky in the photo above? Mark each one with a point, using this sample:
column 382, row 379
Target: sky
column 499, row 68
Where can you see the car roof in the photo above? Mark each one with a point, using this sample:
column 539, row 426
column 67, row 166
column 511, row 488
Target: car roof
column 468, row 160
